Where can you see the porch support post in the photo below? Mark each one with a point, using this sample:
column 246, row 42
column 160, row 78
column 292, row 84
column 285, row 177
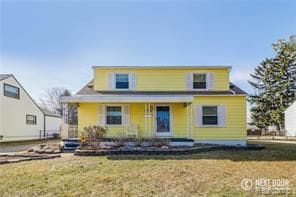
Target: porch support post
column 145, row 119
column 153, row 121
column 188, row 120
column 149, row 122
column 65, row 113
column 65, row 127
column 191, row 119
column 189, row 110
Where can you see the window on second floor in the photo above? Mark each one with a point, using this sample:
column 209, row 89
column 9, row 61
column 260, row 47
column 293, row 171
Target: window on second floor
column 121, row 81
column 31, row 119
column 11, row 91
column 199, row 81
column 209, row 115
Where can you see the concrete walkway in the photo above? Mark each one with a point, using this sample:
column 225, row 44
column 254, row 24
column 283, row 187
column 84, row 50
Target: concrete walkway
column 15, row 148
column 18, row 147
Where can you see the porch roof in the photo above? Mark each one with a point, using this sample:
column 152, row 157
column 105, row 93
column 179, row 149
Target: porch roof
column 127, row 99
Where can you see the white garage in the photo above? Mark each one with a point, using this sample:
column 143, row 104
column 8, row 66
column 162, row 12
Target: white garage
column 290, row 120
column 52, row 122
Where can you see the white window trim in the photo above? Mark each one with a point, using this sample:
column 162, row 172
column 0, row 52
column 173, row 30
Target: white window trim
column 210, row 125
column 168, row 134
column 201, row 73
column 114, row 105
column 123, row 89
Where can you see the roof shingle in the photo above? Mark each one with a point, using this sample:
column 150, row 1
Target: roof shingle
column 4, row 76
column 88, row 90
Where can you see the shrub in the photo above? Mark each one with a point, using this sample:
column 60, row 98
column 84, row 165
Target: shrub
column 93, row 133
column 91, row 136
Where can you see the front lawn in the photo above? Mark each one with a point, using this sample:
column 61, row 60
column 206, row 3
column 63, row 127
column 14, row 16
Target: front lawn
column 197, row 174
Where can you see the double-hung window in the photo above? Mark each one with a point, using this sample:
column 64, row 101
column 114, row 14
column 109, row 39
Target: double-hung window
column 121, row 81
column 199, row 81
column 114, row 115
column 31, row 119
column 210, row 115
column 11, row 91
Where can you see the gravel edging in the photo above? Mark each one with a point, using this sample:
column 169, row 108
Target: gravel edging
column 174, row 151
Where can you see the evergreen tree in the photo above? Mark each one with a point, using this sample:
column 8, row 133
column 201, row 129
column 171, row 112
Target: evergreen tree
column 274, row 82
column 259, row 112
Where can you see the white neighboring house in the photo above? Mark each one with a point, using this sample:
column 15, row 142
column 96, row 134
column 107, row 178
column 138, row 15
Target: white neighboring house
column 290, row 120
column 20, row 116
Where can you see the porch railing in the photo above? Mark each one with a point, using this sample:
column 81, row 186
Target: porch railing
column 69, row 131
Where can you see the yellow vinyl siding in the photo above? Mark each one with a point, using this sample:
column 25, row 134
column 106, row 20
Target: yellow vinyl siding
column 161, row 79
column 235, row 119
column 137, row 117
column 87, row 115
column 179, row 120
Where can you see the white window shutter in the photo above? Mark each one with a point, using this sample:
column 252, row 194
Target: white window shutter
column 111, row 81
column 102, row 115
column 189, row 81
column 125, row 115
column 197, row 116
column 222, row 115
column 132, row 81
column 210, row 78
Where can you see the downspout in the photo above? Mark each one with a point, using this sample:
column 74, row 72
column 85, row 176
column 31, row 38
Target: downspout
column 44, row 127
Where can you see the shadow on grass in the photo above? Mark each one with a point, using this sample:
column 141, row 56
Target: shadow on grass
column 273, row 152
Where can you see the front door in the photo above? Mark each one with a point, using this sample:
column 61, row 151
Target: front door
column 163, row 122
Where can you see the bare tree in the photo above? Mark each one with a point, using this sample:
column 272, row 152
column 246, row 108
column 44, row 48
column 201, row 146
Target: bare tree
column 51, row 102
column 50, row 99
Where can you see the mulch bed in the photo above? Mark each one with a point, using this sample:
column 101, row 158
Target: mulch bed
column 15, row 158
column 160, row 151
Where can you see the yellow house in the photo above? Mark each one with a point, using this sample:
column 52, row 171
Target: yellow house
column 193, row 102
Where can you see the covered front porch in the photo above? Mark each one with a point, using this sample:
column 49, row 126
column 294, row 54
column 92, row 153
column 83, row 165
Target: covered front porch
column 134, row 116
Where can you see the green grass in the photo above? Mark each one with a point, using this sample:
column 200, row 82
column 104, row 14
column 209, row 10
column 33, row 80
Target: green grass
column 216, row 173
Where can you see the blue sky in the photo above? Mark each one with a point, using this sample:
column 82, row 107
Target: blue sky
column 54, row 43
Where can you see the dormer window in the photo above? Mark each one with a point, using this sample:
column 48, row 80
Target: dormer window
column 199, row 81
column 121, row 81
